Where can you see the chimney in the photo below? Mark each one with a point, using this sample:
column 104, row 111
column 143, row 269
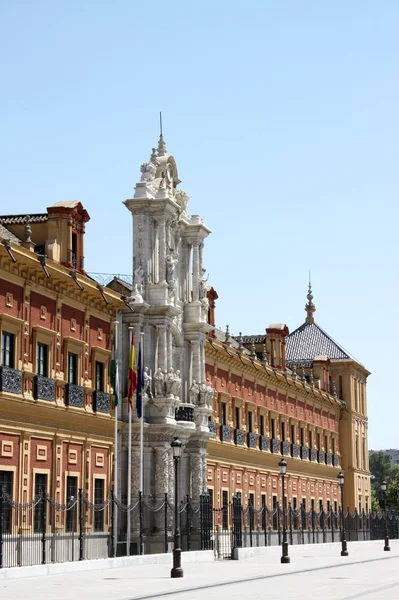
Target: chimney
column 275, row 344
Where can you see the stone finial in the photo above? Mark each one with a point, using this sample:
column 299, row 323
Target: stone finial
column 253, row 351
column 240, row 341
column 27, row 230
column 294, row 373
column 227, row 335
column 162, row 150
column 264, row 356
column 310, row 307
column 311, row 378
column 334, row 389
column 303, row 372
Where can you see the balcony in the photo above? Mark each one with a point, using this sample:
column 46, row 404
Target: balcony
column 212, row 427
column 312, row 455
column 335, row 460
column 294, row 450
column 251, row 439
column 185, row 413
column 74, row 395
column 321, row 457
column 275, row 446
column 239, row 437
column 304, row 452
column 225, row 433
column 10, row 380
column 285, row 448
column 263, row 443
column 101, row 402
column 44, row 388
column 328, row 458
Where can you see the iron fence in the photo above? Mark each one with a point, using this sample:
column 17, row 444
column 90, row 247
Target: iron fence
column 44, row 531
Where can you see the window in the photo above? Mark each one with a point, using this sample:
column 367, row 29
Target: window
column 295, row 513
column 237, row 417
column 302, row 437
column 72, row 368
column 273, row 428
column 225, row 511
column 310, row 439
column 251, row 513
column 98, row 499
column 274, row 504
column 282, row 431
column 99, row 383
column 71, row 496
column 6, row 486
column 293, row 436
column 263, row 502
column 42, row 359
column 223, row 413
column 318, row 441
column 262, row 425
column 40, row 487
column 7, row 350
column 250, row 421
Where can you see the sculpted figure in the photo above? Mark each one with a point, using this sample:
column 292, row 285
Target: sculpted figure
column 171, row 263
column 203, row 394
column 147, row 382
column 169, row 380
column 203, row 288
column 139, row 278
column 148, row 170
column 194, row 391
column 176, row 386
column 159, row 380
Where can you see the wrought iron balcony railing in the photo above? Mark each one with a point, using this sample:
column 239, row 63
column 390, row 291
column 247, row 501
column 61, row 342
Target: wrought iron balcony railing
column 185, row 413
column 251, row 439
column 10, row 380
column 239, row 437
column 101, row 402
column 264, row 443
column 44, row 388
column 74, row 395
column 225, row 433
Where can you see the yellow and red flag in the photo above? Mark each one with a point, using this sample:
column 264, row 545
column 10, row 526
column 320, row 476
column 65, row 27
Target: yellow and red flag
column 132, row 374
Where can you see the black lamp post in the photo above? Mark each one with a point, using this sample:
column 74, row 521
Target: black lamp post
column 176, row 571
column 284, row 556
column 341, row 481
column 384, row 491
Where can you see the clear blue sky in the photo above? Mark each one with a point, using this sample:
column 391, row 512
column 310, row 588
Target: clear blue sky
column 283, row 119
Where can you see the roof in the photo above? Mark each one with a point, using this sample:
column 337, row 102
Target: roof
column 309, row 341
column 254, row 339
column 6, row 234
column 22, row 219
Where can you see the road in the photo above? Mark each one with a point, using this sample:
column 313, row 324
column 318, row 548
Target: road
column 314, row 572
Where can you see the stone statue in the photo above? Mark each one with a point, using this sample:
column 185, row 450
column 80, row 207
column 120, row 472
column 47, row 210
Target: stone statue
column 169, row 381
column 171, row 263
column 176, row 386
column 203, row 392
column 148, row 170
column 203, row 288
column 159, row 382
column 139, row 278
column 194, row 391
column 204, row 308
column 181, row 198
column 209, row 397
column 27, row 230
column 147, row 383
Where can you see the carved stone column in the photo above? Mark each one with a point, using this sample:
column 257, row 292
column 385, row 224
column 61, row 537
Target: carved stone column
column 195, row 361
column 162, row 249
column 161, row 472
column 169, row 346
column 161, row 333
column 196, row 262
column 196, row 475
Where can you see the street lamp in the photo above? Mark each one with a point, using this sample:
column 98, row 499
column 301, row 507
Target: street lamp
column 341, row 481
column 284, row 556
column 176, row 571
column 384, row 491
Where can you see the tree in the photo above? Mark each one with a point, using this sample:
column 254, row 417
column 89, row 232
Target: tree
column 375, row 505
column 393, row 492
column 380, row 467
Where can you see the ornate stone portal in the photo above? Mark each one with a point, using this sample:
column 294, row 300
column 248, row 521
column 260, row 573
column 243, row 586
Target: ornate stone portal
column 169, row 305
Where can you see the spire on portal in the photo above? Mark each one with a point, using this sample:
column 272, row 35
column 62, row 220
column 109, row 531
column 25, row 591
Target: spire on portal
column 162, row 150
column 310, row 307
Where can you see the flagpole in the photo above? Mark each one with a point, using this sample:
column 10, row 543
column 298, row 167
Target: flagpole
column 129, row 463
column 142, row 419
column 116, row 396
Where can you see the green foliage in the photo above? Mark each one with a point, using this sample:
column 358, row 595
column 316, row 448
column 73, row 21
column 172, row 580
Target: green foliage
column 393, row 492
column 381, row 468
column 375, row 505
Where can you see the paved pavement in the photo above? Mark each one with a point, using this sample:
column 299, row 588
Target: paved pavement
column 315, row 571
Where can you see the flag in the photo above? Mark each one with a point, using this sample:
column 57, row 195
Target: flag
column 114, row 371
column 140, row 386
column 132, row 373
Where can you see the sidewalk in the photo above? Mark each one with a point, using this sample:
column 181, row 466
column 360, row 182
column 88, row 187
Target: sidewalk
column 315, row 571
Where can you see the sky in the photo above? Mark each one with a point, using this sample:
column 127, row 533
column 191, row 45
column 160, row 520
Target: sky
column 283, row 120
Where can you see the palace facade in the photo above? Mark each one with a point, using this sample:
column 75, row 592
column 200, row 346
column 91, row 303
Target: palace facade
column 56, row 326
column 299, row 396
